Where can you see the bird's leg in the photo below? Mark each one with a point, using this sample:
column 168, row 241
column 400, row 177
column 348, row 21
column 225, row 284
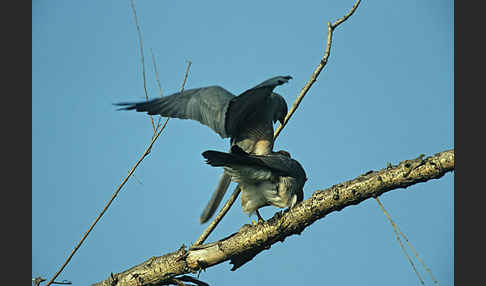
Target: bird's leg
column 260, row 219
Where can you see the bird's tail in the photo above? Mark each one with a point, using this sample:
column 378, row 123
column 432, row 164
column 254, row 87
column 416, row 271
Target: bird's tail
column 216, row 198
column 221, row 159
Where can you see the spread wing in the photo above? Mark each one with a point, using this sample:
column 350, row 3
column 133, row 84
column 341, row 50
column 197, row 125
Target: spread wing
column 257, row 104
column 208, row 105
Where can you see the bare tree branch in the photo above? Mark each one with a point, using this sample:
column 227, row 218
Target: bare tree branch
column 250, row 240
column 115, row 194
column 296, row 103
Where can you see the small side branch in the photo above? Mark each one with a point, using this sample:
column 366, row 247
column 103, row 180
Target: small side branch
column 318, row 69
column 218, row 217
column 294, row 107
column 115, row 194
column 250, row 240
column 139, row 33
column 395, row 229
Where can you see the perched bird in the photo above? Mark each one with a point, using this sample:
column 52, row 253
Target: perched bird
column 247, row 119
column 273, row 179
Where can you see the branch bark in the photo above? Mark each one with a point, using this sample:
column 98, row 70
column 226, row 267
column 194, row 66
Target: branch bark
column 250, row 240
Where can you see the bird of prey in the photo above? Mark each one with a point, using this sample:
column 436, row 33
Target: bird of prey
column 247, row 119
column 273, row 179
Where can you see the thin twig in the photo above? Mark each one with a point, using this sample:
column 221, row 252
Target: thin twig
column 408, row 242
column 147, row 151
column 345, row 17
column 296, row 103
column 156, row 72
column 143, row 58
column 318, row 69
column 108, row 204
column 158, row 81
column 400, row 241
column 416, row 255
column 218, row 217
column 189, row 63
column 136, row 179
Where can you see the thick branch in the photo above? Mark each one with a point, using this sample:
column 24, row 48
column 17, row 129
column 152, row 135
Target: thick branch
column 250, row 240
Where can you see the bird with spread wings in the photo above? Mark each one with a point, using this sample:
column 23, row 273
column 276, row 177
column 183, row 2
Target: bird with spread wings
column 247, row 119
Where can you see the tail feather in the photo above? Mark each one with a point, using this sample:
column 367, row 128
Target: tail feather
column 236, row 157
column 221, row 159
column 216, row 198
column 152, row 107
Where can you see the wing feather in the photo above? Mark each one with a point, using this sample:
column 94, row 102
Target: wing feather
column 208, row 105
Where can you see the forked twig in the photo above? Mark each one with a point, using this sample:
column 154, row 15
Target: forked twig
column 418, row 257
column 139, row 32
column 318, row 69
column 397, row 228
column 156, row 72
column 158, row 82
column 115, row 194
column 400, row 241
column 296, row 103
column 108, row 204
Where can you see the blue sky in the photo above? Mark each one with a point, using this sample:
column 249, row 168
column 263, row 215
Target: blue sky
column 386, row 95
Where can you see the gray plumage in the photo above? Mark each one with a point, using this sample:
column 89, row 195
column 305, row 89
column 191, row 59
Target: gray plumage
column 247, row 119
column 227, row 114
column 273, row 179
